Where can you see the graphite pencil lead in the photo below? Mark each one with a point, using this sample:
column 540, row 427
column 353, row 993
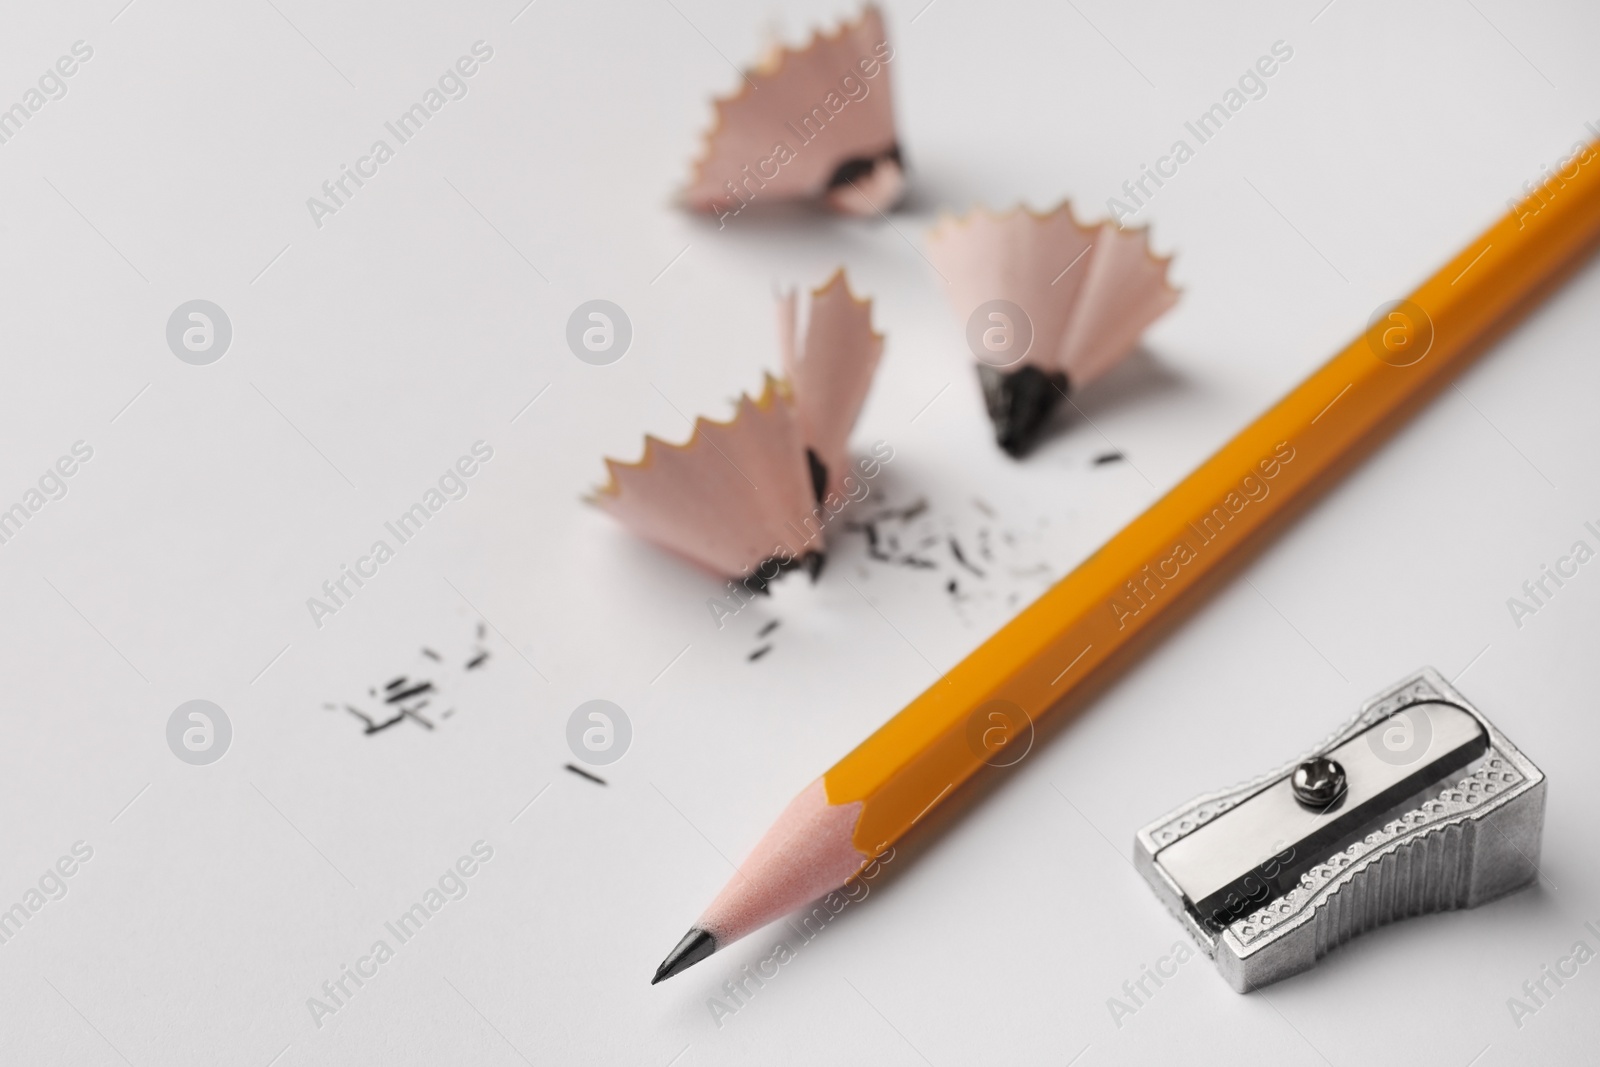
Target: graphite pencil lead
column 696, row 945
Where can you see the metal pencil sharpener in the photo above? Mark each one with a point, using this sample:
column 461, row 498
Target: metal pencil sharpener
column 1416, row 805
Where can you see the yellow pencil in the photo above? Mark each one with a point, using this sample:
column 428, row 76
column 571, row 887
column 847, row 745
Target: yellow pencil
column 846, row 818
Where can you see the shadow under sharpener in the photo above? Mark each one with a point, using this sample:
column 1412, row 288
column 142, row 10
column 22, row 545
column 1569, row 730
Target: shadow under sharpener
column 1435, row 810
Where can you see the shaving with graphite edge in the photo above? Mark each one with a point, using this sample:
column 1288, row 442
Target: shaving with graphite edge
column 808, row 124
column 751, row 498
column 1048, row 306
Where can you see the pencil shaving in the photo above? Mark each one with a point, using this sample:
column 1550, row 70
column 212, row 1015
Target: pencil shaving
column 726, row 497
column 830, row 354
column 1049, row 305
column 814, row 123
column 751, row 497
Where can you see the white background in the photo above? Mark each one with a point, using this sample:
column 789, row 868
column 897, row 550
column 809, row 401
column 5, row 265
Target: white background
column 370, row 353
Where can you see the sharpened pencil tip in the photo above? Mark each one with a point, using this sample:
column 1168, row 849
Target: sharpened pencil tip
column 696, row 945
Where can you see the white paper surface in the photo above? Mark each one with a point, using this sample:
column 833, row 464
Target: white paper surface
column 370, row 353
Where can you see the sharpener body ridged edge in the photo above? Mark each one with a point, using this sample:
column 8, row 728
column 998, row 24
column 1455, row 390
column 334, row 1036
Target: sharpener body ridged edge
column 1477, row 839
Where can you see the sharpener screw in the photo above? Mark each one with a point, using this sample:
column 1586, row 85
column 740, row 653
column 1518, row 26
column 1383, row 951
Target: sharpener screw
column 1318, row 782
